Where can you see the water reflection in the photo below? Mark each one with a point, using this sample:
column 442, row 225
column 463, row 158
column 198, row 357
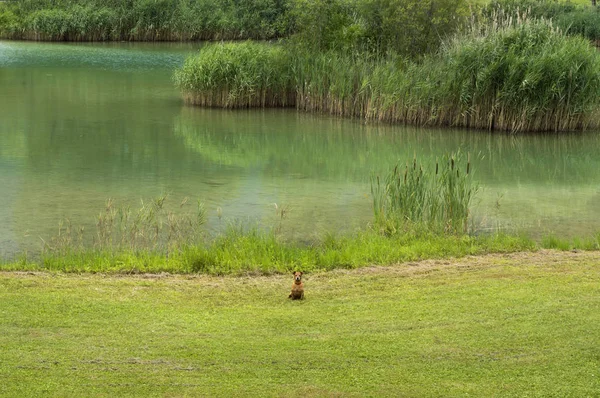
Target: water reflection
column 81, row 123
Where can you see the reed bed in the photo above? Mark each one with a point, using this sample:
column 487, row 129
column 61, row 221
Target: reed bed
column 528, row 76
column 238, row 75
column 332, row 83
column 517, row 75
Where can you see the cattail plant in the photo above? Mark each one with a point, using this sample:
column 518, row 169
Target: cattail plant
column 413, row 196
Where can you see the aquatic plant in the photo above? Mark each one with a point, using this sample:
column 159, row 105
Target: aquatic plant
column 153, row 227
column 237, row 75
column 417, row 196
column 522, row 75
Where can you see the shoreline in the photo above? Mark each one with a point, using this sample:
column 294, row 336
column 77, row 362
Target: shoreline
column 539, row 257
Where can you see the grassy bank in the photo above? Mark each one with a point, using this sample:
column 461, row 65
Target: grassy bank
column 239, row 252
column 421, row 216
column 481, row 326
column 264, row 253
column 521, row 75
column 421, row 211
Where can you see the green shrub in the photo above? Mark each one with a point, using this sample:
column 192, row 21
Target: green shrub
column 407, row 27
column 10, row 24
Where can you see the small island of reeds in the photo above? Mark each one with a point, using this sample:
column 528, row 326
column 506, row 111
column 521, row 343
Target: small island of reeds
column 520, row 75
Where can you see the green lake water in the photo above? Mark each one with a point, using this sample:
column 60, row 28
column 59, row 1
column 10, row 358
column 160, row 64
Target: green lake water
column 81, row 123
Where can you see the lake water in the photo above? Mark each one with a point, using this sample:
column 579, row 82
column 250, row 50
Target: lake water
column 81, row 123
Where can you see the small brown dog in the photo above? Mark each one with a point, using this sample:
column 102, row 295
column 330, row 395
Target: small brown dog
column 297, row 287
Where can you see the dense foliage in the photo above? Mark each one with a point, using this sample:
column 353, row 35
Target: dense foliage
column 142, row 19
column 575, row 19
column 524, row 76
column 404, row 26
column 410, row 27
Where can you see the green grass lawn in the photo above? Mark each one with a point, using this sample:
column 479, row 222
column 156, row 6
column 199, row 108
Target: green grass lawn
column 498, row 325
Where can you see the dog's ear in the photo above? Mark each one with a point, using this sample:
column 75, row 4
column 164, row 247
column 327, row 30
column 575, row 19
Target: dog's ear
column 300, row 272
column 294, row 273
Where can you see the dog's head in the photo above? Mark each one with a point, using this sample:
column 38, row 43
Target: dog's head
column 297, row 276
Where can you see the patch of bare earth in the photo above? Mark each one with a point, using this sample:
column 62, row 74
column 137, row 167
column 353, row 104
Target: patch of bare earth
column 537, row 258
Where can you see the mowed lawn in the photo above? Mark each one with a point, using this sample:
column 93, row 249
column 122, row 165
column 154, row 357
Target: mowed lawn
column 498, row 325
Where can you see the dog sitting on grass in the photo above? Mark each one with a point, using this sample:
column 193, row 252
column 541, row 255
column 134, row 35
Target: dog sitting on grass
column 297, row 287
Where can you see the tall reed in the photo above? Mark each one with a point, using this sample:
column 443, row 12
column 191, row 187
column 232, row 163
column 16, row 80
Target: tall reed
column 238, row 75
column 527, row 76
column 517, row 75
column 419, row 196
column 571, row 17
